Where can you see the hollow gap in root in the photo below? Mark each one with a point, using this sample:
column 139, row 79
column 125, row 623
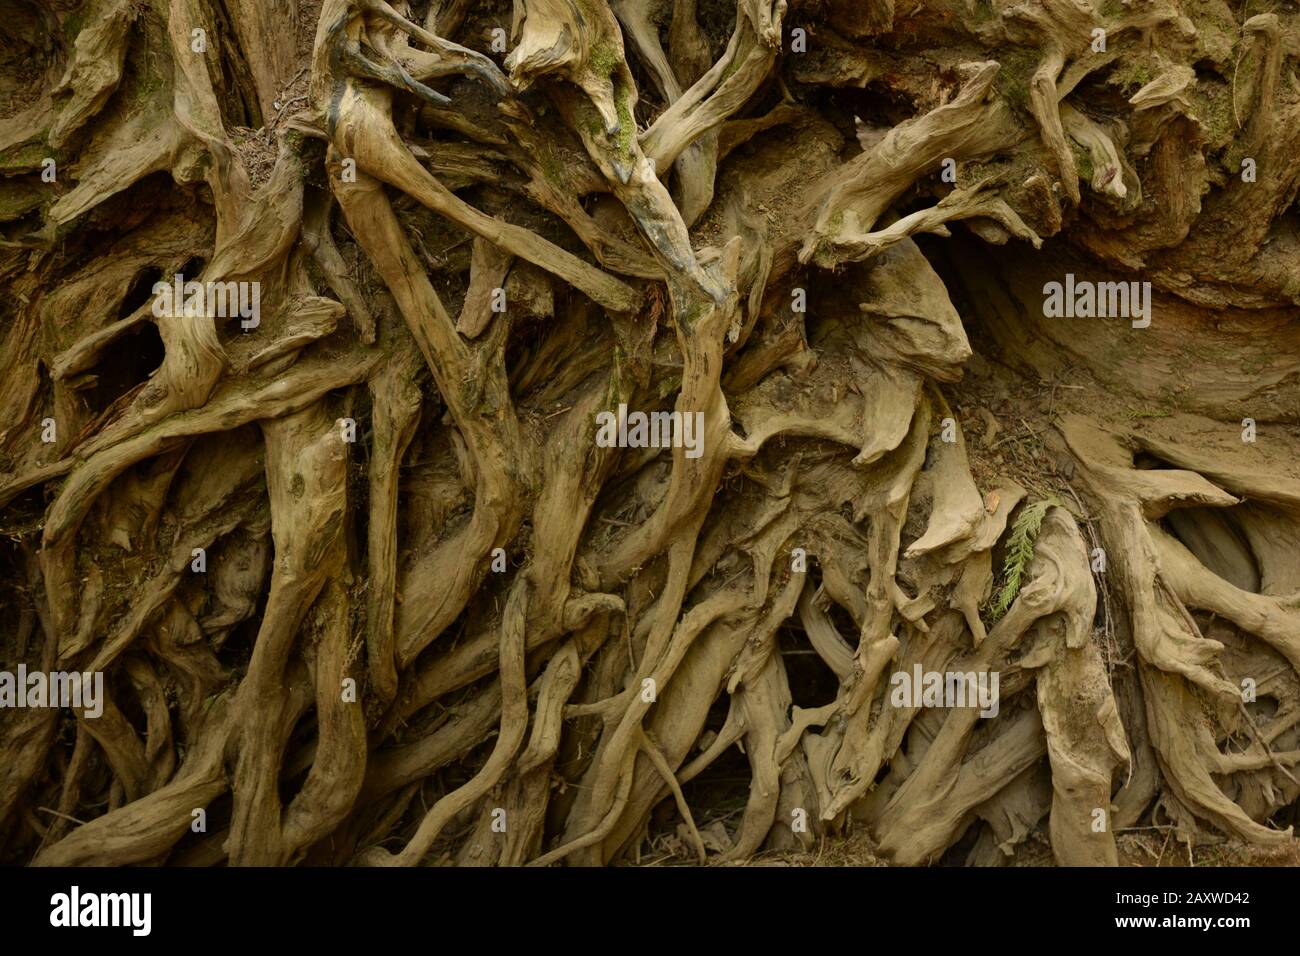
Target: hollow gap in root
column 812, row 682
column 957, row 853
column 1145, row 461
column 1217, row 540
column 126, row 362
column 719, row 792
column 140, row 292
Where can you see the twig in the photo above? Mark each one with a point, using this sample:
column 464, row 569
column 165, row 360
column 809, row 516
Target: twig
column 63, row 816
column 1168, row 836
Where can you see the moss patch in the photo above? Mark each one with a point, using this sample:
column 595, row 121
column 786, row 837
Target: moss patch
column 1082, row 161
column 1013, row 79
column 603, row 58
column 626, row 121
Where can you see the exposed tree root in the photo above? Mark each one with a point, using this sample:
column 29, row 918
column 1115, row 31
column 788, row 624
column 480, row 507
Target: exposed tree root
column 364, row 578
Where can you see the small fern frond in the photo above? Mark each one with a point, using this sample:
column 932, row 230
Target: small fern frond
column 1020, row 551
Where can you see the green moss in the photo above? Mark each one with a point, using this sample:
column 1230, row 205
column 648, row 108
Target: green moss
column 603, row 58
column 626, row 121
column 669, row 385
column 1013, row 79
column 1216, row 30
column 692, row 316
column 18, row 198
column 1233, row 158
column 72, row 26
column 982, row 12
column 588, row 119
column 1131, row 75
column 552, row 169
column 1082, row 161
column 28, row 156
column 1216, row 115
column 142, row 86
column 315, row 274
